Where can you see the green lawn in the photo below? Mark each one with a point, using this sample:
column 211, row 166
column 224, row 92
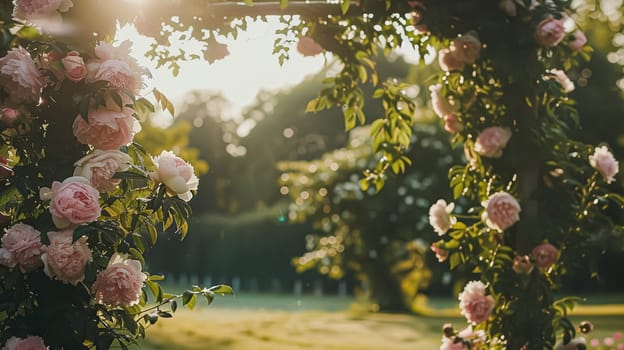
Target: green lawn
column 285, row 322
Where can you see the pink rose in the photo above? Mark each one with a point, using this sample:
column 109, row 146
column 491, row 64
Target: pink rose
column 572, row 345
column 120, row 283
column 441, row 105
column 466, row 48
column 617, row 336
column 75, row 68
column 309, row 47
column 100, row 166
column 33, row 9
column 491, row 141
column 474, row 304
column 216, row 51
column 550, row 32
column 440, row 253
column 474, row 337
column 448, row 343
column 64, row 260
column 522, row 265
column 28, row 343
column 73, row 202
column 560, row 77
column 115, row 65
column 8, row 116
column 21, row 245
column 440, row 216
column 51, row 61
column 20, row 78
column 603, row 161
column 107, row 128
column 448, row 61
column 545, row 255
column 508, row 7
column 452, row 124
column 579, row 40
column 176, row 174
column 501, row 211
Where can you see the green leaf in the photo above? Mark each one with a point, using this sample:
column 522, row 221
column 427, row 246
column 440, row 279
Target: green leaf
column 221, row 289
column 312, row 105
column 189, row 299
column 344, row 6
column 283, row 4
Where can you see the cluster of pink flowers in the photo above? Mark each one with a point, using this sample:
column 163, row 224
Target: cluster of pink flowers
column 463, row 51
column 609, row 342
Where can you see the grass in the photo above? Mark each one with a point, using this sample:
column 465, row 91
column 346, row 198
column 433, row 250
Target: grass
column 286, row 322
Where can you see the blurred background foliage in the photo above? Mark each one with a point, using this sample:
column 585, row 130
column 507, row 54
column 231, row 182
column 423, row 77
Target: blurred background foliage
column 282, row 195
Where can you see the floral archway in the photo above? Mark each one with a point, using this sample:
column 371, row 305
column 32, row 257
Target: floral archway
column 82, row 203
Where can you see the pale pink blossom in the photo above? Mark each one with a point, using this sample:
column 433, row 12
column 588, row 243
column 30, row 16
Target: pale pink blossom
column 108, row 128
column 466, row 48
column 508, row 7
column 502, row 210
column 216, row 51
column 440, row 253
column 474, row 337
column 29, row 343
column 560, row 77
column 448, row 61
column 448, row 343
column 452, row 124
column 522, row 265
column 75, row 68
column 595, row 342
column 20, row 78
column 550, row 32
column 308, row 46
column 474, row 304
column 176, row 174
column 579, row 40
column 440, row 216
column 545, row 255
column 491, row 141
column 608, row 341
column 603, row 161
column 572, row 345
column 64, row 260
column 72, row 202
column 441, row 105
column 21, row 246
column 36, row 9
column 100, row 166
column 115, row 65
column 120, row 283
column 8, row 116
column 617, row 336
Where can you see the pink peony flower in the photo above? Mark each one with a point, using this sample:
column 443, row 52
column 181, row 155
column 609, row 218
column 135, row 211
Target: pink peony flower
column 21, row 246
column 572, row 345
column 216, row 51
column 466, row 48
column 522, row 265
column 75, row 68
column 448, row 343
column 448, row 61
column 617, row 336
column 550, row 32
column 8, row 116
column 73, row 202
column 578, row 42
column 120, row 283
column 100, row 166
column 34, row 9
column 115, row 65
column 20, row 78
column 474, row 304
column 452, row 123
column 560, row 77
column 508, row 7
column 28, row 343
column 545, row 255
column 309, row 47
column 603, row 161
column 441, row 105
column 64, row 260
column 501, row 211
column 176, row 174
column 440, row 253
column 440, row 216
column 107, row 128
column 491, row 141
